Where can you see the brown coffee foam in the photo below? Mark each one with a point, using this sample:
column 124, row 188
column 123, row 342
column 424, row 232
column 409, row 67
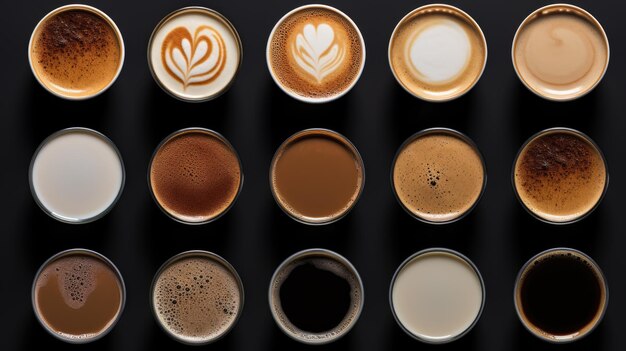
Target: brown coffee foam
column 78, row 296
column 560, row 176
column 292, row 78
column 197, row 298
column 412, row 81
column 332, row 266
column 76, row 52
column 195, row 175
column 560, row 53
column 438, row 176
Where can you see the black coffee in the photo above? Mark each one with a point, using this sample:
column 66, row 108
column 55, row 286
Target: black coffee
column 561, row 293
column 314, row 299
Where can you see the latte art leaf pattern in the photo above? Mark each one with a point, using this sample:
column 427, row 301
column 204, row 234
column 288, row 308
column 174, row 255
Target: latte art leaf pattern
column 194, row 60
column 317, row 52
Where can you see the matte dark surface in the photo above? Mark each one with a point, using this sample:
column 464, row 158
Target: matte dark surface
column 499, row 114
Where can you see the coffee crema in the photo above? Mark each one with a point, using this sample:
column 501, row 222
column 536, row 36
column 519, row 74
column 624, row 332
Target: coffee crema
column 76, row 51
column 437, row 52
column 194, row 54
column 316, row 296
column 317, row 176
column 560, row 52
column 78, row 296
column 315, row 53
column 195, row 175
column 438, row 175
column 560, row 175
column 561, row 295
column 197, row 297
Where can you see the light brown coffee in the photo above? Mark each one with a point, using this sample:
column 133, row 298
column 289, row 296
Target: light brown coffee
column 316, row 52
column 560, row 52
column 196, row 298
column 437, row 52
column 78, row 296
column 560, row 175
column 438, row 176
column 317, row 176
column 76, row 52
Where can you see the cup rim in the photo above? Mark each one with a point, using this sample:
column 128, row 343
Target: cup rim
column 210, row 256
column 526, row 323
column 321, row 253
column 55, row 135
column 467, row 18
column 448, row 131
column 209, row 12
column 431, row 251
column 294, row 95
column 195, row 130
column 106, row 261
column 100, row 14
column 582, row 13
column 303, row 133
column 580, row 135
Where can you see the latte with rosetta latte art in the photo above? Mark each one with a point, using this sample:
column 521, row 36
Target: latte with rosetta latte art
column 194, row 54
column 315, row 53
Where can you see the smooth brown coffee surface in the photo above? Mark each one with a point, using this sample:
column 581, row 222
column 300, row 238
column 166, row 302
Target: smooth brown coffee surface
column 317, row 176
column 76, row 53
column 197, row 299
column 560, row 53
column 78, row 296
column 560, row 176
column 195, row 175
column 437, row 52
column 316, row 53
column 438, row 176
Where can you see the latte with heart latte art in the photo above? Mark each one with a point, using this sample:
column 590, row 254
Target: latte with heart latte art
column 194, row 54
column 315, row 53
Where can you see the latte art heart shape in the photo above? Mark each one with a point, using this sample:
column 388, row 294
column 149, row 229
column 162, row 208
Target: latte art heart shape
column 317, row 51
column 194, row 60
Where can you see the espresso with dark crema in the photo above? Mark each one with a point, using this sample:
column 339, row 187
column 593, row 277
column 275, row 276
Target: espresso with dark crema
column 76, row 53
column 197, row 298
column 561, row 294
column 560, row 176
column 315, row 296
column 78, row 296
column 317, row 176
column 195, row 175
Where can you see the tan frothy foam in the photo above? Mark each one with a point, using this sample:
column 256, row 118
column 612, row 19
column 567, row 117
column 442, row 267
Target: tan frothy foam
column 561, row 52
column 316, row 52
column 197, row 299
column 438, row 176
column 437, row 52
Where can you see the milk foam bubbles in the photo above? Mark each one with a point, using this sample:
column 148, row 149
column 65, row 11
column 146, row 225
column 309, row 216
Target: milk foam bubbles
column 440, row 52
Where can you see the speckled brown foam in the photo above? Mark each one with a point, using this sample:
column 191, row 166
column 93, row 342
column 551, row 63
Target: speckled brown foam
column 195, row 175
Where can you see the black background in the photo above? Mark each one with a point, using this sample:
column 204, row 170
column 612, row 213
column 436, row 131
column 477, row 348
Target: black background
column 499, row 114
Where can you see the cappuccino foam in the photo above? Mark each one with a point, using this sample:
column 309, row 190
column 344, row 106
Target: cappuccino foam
column 316, row 53
column 197, row 299
column 437, row 53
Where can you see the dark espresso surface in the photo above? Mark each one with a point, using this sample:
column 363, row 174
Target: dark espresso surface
column 195, row 176
column 315, row 299
column 561, row 294
column 377, row 115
